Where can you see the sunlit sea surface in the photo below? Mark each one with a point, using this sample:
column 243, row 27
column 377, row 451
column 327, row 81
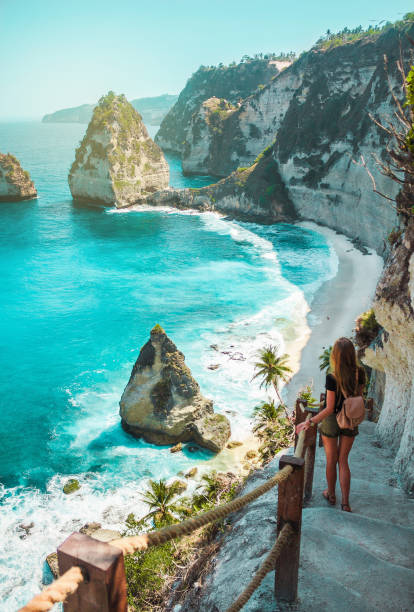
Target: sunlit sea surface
column 81, row 287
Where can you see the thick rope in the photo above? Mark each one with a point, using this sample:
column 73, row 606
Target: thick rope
column 130, row 544
column 55, row 592
column 267, row 566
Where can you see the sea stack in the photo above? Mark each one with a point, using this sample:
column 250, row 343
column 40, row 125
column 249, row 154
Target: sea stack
column 15, row 183
column 117, row 162
column 162, row 402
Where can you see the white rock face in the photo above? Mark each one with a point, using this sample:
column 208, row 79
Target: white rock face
column 317, row 114
column 117, row 162
column 393, row 355
column 15, row 183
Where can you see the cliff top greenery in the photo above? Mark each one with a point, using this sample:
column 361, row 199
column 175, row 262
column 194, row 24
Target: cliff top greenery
column 290, row 56
column 335, row 39
column 116, row 115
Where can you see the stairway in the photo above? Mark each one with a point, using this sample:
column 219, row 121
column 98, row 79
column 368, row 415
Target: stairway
column 359, row 562
column 362, row 561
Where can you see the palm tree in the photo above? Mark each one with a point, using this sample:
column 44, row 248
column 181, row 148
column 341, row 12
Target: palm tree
column 159, row 499
column 325, row 359
column 272, row 369
column 265, row 414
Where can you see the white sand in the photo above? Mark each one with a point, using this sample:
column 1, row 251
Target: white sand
column 335, row 307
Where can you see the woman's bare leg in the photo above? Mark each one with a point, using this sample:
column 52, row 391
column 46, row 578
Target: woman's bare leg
column 331, row 450
column 345, row 445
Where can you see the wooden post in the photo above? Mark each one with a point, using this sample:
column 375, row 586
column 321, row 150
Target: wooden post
column 104, row 588
column 289, row 510
column 369, row 409
column 322, row 401
column 310, row 450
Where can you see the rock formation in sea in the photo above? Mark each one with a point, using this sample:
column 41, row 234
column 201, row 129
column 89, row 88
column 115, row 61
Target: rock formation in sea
column 15, row 183
column 162, row 401
column 301, row 133
column 117, row 162
column 231, row 83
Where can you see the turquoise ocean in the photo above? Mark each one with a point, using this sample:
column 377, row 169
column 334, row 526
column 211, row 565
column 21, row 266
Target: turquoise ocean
column 81, row 287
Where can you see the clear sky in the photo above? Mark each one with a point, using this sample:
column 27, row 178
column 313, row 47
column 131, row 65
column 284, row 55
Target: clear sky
column 61, row 53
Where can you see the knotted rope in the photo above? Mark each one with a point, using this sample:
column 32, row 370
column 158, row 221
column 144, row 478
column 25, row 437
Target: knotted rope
column 69, row 582
column 55, row 592
column 130, row 544
column 267, row 566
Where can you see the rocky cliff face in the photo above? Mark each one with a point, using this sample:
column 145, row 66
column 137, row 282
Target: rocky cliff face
column 318, row 112
column 233, row 83
column 117, row 162
column 162, row 402
column 15, row 183
column 392, row 355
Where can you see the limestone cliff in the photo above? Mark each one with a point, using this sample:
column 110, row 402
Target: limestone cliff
column 162, row 402
column 117, row 162
column 317, row 113
column 15, row 183
column 392, row 354
column 233, row 83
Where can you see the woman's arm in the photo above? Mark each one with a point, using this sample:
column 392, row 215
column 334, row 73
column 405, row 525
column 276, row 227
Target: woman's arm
column 317, row 418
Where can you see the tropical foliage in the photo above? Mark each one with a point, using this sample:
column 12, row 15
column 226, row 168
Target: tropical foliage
column 272, row 369
column 325, row 360
column 274, row 429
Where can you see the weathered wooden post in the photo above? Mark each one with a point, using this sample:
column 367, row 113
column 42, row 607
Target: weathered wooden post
column 289, row 510
column 104, row 587
column 322, row 401
column 310, row 451
column 369, row 406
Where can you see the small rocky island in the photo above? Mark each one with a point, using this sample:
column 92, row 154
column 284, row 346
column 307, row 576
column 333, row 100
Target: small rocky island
column 117, row 162
column 15, row 183
column 162, row 402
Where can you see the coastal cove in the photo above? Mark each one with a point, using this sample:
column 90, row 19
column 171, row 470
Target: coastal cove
column 72, row 332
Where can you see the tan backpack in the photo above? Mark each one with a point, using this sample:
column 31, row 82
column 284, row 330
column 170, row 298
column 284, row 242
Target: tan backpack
column 352, row 412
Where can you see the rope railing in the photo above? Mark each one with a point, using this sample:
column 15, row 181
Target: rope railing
column 289, row 478
column 267, row 566
column 56, row 592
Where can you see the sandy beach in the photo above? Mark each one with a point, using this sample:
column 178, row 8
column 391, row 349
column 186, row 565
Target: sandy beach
column 335, row 307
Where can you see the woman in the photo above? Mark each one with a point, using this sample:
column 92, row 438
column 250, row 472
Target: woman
column 346, row 379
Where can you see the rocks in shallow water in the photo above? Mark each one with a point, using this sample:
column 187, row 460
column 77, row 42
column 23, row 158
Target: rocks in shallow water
column 251, row 454
column 177, row 448
column 71, row 486
column 117, row 162
column 191, row 473
column 180, row 486
column 15, row 183
column 234, row 443
column 162, row 401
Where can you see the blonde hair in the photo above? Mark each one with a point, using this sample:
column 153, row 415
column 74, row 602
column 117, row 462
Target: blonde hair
column 344, row 366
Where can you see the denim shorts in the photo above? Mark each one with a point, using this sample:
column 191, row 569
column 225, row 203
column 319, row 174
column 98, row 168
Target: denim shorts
column 329, row 427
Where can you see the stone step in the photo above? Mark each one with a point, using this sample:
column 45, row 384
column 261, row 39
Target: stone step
column 371, row 582
column 374, row 500
column 389, row 542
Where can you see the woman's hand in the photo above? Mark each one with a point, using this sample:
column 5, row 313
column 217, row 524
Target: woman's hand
column 305, row 425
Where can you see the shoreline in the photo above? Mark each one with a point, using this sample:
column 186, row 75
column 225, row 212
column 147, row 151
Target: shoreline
column 335, row 307
column 330, row 315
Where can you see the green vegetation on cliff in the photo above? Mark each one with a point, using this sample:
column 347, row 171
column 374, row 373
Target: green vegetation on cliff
column 334, row 39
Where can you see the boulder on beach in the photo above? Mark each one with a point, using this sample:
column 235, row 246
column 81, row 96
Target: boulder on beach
column 15, row 183
column 162, row 402
column 117, row 162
